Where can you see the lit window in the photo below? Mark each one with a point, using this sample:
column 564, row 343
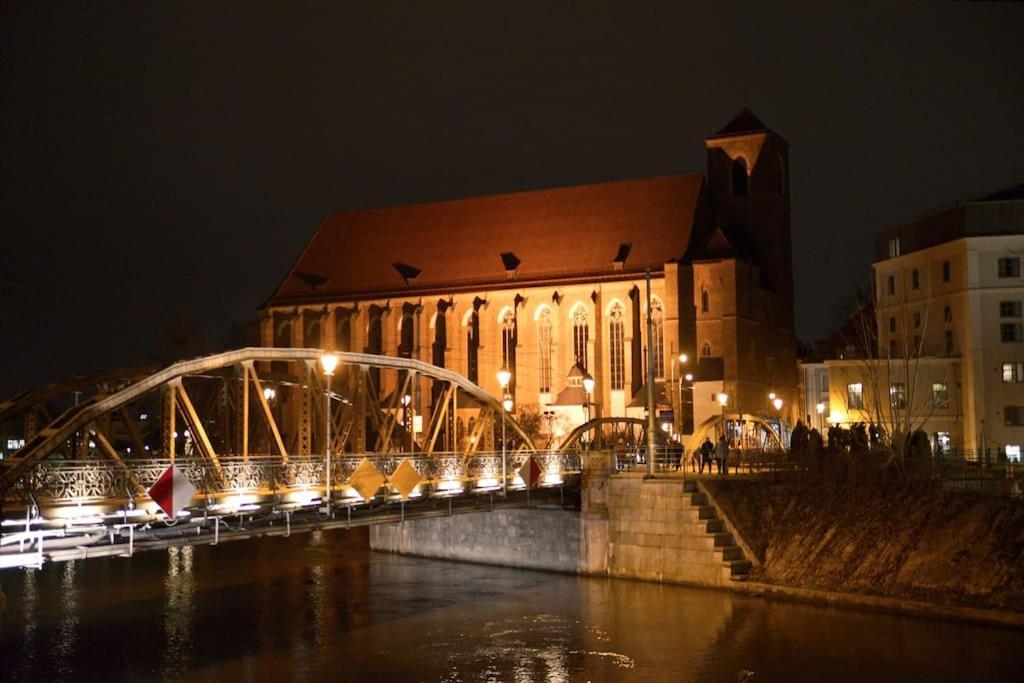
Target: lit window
column 580, row 335
column 855, row 395
column 1013, row 452
column 658, row 343
column 1009, row 266
column 898, row 395
column 509, row 340
column 617, row 355
column 1013, row 372
column 940, row 395
column 894, row 247
column 544, row 348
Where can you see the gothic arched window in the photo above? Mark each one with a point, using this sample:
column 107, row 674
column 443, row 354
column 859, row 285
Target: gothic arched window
column 508, row 346
column 706, row 349
column 704, row 301
column 617, row 344
column 544, row 348
column 473, row 347
column 580, row 336
column 658, row 342
column 740, row 179
column 440, row 339
column 343, row 333
column 407, row 336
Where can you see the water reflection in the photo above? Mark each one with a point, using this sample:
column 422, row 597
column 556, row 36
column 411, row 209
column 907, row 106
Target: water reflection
column 179, row 608
column 68, row 631
column 322, row 607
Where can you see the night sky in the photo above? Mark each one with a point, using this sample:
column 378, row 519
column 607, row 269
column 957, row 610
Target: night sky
column 164, row 163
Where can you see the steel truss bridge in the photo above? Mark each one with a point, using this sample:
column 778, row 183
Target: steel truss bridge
column 250, row 429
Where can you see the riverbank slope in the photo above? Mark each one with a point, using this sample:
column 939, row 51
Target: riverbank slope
column 907, row 542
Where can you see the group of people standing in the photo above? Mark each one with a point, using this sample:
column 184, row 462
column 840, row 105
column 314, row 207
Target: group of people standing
column 711, row 454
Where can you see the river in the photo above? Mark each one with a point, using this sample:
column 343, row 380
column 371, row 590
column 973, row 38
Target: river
column 321, row 606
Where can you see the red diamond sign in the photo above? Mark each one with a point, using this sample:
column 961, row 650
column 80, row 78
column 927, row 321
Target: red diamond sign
column 530, row 472
column 172, row 491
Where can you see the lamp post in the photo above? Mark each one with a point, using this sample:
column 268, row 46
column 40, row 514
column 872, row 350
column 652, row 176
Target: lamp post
column 820, row 408
column 328, row 362
column 269, row 393
column 679, row 417
column 777, row 402
column 504, row 377
column 723, row 399
column 588, row 387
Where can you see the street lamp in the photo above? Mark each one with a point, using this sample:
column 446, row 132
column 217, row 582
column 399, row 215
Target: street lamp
column 723, row 399
column 682, row 358
column 269, row 393
column 588, row 386
column 777, row 402
column 328, row 362
column 504, row 377
column 820, row 408
column 506, row 406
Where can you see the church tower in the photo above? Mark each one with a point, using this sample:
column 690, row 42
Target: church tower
column 748, row 179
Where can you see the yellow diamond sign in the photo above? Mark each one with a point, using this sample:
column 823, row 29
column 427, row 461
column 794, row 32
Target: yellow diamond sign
column 366, row 479
column 405, row 478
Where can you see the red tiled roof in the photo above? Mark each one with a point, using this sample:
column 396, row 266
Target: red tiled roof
column 558, row 233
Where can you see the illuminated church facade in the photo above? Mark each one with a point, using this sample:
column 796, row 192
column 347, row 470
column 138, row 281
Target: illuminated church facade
column 551, row 284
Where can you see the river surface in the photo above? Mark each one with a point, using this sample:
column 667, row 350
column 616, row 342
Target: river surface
column 321, row 606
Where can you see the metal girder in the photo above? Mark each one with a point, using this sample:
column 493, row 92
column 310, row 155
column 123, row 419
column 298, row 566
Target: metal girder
column 76, row 420
column 196, row 425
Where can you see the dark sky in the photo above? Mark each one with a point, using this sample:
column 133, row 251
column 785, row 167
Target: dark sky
column 168, row 161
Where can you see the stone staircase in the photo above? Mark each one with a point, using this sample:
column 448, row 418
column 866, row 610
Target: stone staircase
column 661, row 530
column 735, row 566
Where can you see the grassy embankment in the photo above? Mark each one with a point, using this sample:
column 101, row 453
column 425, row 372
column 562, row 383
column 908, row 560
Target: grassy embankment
column 877, row 534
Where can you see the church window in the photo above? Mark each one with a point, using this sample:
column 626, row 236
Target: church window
column 440, row 338
column 473, row 347
column 544, row 348
column 705, row 350
column 508, row 345
column 343, row 333
column 406, row 335
column 580, row 336
column 740, row 179
column 617, row 355
column 658, row 343
column 704, row 301
column 312, row 337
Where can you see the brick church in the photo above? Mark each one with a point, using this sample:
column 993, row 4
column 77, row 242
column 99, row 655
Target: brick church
column 551, row 285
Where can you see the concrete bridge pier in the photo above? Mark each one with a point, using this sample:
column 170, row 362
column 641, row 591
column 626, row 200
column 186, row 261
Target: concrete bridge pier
column 629, row 526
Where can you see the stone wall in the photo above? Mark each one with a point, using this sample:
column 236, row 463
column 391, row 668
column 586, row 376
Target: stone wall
column 629, row 527
column 535, row 538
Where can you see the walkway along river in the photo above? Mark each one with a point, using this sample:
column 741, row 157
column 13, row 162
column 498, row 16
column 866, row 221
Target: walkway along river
column 321, row 606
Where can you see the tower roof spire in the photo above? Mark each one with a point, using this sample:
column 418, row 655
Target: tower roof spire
column 744, row 122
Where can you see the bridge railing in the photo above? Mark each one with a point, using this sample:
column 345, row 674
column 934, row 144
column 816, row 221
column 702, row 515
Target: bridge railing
column 72, row 482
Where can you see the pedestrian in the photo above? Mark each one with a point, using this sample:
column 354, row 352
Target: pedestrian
column 721, row 452
column 680, row 452
column 706, row 450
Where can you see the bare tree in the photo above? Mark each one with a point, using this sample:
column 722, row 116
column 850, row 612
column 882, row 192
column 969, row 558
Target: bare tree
column 901, row 384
